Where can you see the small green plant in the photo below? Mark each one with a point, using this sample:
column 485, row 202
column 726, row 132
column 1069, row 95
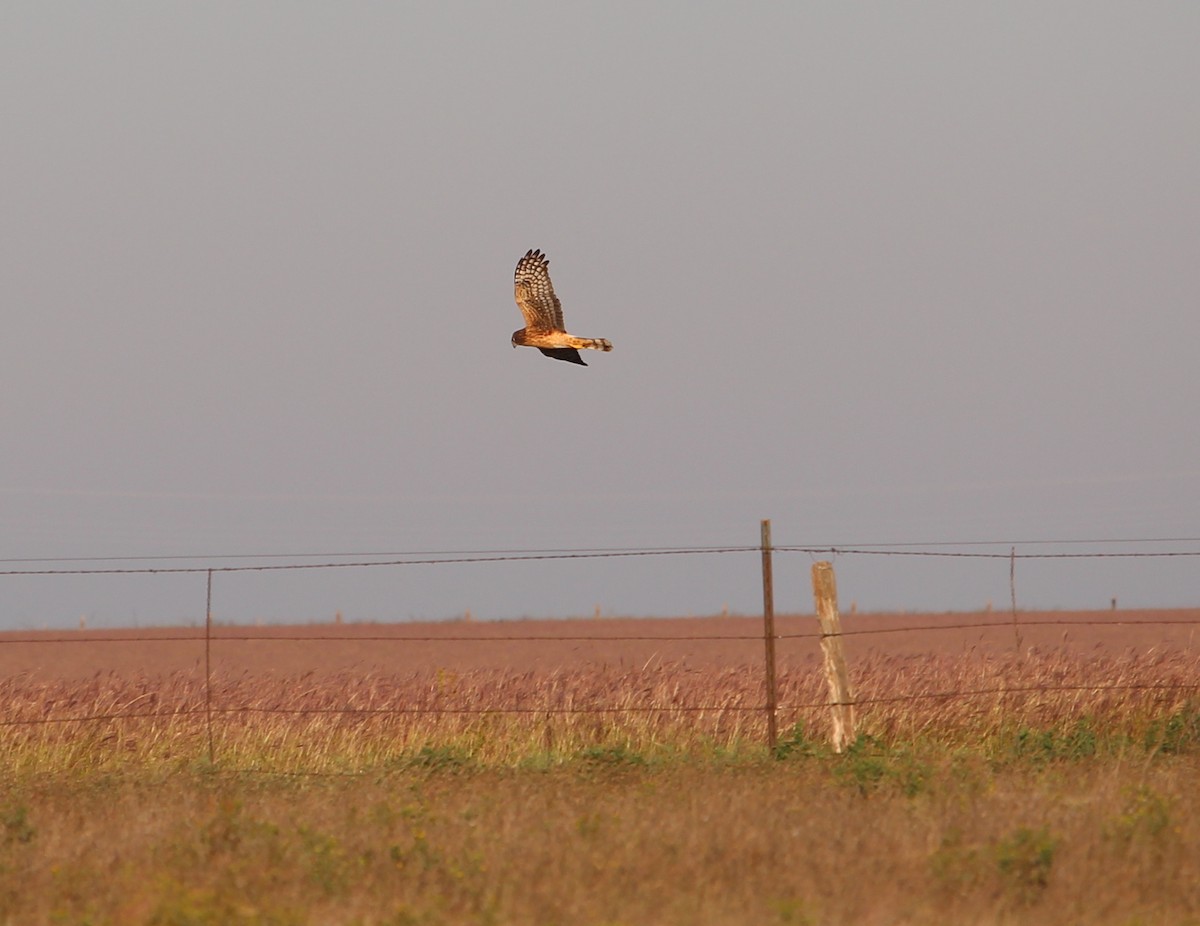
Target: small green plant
column 796, row 743
column 1077, row 741
column 1177, row 733
column 869, row 764
column 326, row 861
column 1145, row 817
column 957, row 867
column 1024, row 860
column 17, row 828
column 1021, row 861
column 612, row 756
column 864, row 764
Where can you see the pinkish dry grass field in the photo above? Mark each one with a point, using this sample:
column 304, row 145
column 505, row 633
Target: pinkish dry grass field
column 601, row 772
column 565, row 685
column 565, row 645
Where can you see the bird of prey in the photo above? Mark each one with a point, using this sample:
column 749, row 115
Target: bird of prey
column 543, row 313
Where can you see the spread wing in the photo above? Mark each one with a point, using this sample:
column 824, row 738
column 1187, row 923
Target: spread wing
column 535, row 293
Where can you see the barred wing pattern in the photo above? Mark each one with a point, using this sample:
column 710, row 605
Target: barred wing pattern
column 535, row 293
column 539, row 304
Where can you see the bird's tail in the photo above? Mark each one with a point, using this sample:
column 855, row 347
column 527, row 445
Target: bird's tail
column 592, row 343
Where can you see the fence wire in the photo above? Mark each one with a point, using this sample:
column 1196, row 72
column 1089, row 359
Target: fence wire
column 212, row 636
column 224, row 636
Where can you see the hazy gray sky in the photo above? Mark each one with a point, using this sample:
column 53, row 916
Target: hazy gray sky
column 881, row 273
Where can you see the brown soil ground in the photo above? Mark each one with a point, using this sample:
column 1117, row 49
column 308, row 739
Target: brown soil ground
column 532, row 646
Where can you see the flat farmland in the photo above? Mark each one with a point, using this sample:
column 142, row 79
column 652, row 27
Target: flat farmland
column 604, row 771
column 569, row 645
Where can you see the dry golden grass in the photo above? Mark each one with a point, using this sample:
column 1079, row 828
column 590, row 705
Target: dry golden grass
column 613, row 841
column 1062, row 791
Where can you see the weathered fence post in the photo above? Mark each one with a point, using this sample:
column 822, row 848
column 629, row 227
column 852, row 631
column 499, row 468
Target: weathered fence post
column 769, row 633
column 840, row 697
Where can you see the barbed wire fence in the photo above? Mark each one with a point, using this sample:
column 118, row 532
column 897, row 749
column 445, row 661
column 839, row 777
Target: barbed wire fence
column 828, row 634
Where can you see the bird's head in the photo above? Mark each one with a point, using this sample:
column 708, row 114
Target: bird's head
column 518, row 338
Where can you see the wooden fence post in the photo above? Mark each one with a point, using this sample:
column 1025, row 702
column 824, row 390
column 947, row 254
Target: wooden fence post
column 769, row 633
column 208, row 666
column 1012, row 591
column 841, row 699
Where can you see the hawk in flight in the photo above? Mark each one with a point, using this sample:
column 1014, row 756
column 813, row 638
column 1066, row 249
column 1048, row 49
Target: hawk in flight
column 543, row 313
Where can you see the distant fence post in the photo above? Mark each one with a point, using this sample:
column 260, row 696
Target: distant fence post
column 769, row 633
column 208, row 666
column 1012, row 593
column 840, row 697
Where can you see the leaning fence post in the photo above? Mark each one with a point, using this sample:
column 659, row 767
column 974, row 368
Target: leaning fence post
column 840, row 697
column 769, row 632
